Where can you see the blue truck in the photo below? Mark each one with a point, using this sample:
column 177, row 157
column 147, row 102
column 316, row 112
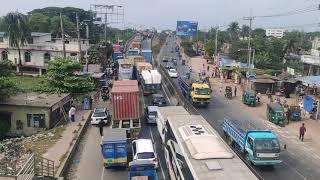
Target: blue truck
column 114, row 148
column 147, row 54
column 260, row 147
column 143, row 170
column 117, row 55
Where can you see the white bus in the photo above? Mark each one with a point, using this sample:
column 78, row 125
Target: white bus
column 195, row 151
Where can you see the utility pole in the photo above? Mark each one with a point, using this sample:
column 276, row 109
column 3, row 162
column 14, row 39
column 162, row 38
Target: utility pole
column 79, row 41
column 250, row 18
column 216, row 43
column 62, row 36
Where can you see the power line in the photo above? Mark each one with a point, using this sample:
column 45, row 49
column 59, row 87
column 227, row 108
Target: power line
column 310, row 8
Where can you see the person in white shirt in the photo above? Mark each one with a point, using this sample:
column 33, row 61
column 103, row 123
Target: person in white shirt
column 72, row 113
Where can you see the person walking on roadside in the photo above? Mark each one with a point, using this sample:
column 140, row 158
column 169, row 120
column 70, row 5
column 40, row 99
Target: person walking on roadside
column 85, row 102
column 258, row 97
column 303, row 130
column 101, row 124
column 90, row 102
column 235, row 91
column 72, row 113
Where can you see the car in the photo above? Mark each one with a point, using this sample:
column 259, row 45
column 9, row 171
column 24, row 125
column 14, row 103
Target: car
column 165, row 60
column 143, row 151
column 169, row 65
column 98, row 114
column 173, row 73
column 150, row 114
column 158, row 100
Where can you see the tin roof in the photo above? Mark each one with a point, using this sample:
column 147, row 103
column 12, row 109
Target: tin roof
column 310, row 80
column 39, row 34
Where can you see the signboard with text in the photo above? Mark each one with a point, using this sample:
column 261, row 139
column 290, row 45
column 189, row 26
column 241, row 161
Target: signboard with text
column 186, row 28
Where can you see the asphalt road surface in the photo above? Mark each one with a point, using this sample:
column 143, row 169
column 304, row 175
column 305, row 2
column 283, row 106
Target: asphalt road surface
column 296, row 165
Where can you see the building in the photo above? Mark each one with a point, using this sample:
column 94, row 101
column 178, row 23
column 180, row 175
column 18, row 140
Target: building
column 40, row 49
column 278, row 33
column 29, row 113
column 311, row 63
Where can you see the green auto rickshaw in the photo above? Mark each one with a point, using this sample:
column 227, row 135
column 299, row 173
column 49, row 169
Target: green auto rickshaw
column 249, row 97
column 275, row 113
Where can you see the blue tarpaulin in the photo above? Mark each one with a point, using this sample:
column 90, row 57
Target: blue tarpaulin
column 308, row 103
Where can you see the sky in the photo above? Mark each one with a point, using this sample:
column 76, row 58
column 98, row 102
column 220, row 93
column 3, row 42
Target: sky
column 163, row 14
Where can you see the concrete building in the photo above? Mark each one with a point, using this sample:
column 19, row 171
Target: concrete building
column 312, row 62
column 40, row 49
column 29, row 113
column 278, row 33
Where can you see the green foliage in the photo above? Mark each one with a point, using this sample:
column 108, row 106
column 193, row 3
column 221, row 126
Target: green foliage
column 188, row 48
column 39, row 22
column 5, row 68
column 210, row 47
column 62, row 78
column 55, row 28
column 7, row 88
column 16, row 29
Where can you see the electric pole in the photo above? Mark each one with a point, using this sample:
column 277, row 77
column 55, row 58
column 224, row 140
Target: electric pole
column 62, row 36
column 250, row 19
column 79, row 41
column 216, row 43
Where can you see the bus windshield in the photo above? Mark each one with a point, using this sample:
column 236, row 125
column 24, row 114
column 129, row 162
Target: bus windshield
column 203, row 91
column 267, row 146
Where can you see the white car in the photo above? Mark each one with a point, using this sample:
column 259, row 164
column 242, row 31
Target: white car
column 98, row 114
column 173, row 73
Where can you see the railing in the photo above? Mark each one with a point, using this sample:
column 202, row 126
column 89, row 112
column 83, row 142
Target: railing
column 27, row 171
column 44, row 167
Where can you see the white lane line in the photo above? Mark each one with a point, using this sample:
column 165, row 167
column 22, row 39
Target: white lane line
column 162, row 173
column 102, row 174
column 166, row 94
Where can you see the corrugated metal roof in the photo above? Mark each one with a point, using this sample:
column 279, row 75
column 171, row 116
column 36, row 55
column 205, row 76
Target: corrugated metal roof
column 310, row 80
column 38, row 34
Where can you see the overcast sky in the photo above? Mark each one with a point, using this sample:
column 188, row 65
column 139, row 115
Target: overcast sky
column 163, row 14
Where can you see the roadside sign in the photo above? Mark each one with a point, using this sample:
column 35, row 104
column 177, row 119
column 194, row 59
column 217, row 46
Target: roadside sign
column 251, row 76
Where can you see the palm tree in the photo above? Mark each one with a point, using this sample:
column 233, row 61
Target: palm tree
column 245, row 31
column 233, row 29
column 17, row 30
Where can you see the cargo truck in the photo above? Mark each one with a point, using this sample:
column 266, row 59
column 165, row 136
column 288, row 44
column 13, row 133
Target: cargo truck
column 139, row 67
column 260, row 147
column 133, row 52
column 125, row 69
column 150, row 81
column 198, row 92
column 147, row 54
column 117, row 55
column 125, row 106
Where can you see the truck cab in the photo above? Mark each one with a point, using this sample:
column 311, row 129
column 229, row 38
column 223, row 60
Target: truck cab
column 200, row 93
column 262, row 148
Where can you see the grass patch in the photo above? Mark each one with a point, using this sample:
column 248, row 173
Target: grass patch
column 27, row 83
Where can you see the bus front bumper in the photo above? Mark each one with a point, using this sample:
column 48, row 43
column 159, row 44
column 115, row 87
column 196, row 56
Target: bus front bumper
column 265, row 162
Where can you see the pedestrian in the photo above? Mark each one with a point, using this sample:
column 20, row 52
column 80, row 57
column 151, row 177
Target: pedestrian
column 101, row 124
column 90, row 102
column 258, row 97
column 85, row 102
column 288, row 116
column 303, row 130
column 235, row 91
column 72, row 113
column 208, row 68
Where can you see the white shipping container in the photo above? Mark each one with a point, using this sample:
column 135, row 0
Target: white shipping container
column 146, row 75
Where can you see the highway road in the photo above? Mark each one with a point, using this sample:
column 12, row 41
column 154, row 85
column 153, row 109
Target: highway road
column 296, row 165
column 87, row 162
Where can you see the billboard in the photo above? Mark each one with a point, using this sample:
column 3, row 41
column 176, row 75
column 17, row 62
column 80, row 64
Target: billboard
column 186, row 28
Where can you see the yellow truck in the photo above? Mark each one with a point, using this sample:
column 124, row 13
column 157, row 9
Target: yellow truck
column 199, row 92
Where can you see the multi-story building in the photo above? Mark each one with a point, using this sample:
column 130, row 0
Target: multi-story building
column 39, row 50
column 312, row 62
column 278, row 33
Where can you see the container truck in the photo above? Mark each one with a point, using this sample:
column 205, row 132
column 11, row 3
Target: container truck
column 125, row 69
column 147, row 54
column 136, row 45
column 156, row 81
column 142, row 171
column 151, row 81
column 116, row 55
column 125, row 106
column 260, row 147
column 135, row 59
column 198, row 92
column 133, row 52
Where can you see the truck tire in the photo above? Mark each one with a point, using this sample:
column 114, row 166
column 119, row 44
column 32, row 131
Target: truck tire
column 247, row 158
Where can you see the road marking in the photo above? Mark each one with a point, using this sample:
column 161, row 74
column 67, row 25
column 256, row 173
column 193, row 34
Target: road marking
column 166, row 94
column 162, row 173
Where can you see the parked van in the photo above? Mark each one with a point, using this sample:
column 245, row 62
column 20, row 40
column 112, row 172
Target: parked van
column 143, row 151
column 151, row 114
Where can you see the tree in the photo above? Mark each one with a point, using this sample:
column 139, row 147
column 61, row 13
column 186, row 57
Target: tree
column 68, row 26
column 39, row 22
column 245, row 31
column 210, row 47
column 7, row 87
column 259, row 32
column 5, row 68
column 62, row 77
column 17, row 30
column 233, row 30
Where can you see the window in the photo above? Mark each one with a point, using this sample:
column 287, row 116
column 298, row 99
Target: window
column 73, row 54
column 27, row 56
column 46, row 57
column 4, row 55
column 36, row 120
column 19, row 125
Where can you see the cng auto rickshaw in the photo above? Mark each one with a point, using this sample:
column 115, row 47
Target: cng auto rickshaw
column 275, row 113
column 249, row 97
column 228, row 92
column 294, row 113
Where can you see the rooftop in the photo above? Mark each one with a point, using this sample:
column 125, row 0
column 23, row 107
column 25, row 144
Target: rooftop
column 34, row 99
column 33, row 34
